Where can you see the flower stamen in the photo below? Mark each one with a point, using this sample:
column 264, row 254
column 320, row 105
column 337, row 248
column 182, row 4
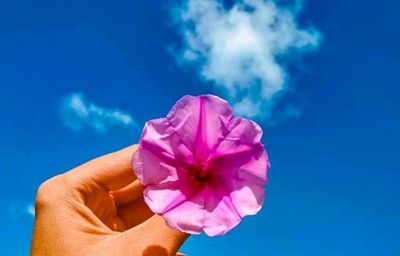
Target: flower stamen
column 200, row 173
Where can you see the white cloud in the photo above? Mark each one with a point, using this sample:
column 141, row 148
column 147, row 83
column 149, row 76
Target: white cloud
column 243, row 49
column 17, row 209
column 77, row 113
column 31, row 209
column 247, row 107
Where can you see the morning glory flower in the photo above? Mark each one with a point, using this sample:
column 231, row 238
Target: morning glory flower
column 202, row 168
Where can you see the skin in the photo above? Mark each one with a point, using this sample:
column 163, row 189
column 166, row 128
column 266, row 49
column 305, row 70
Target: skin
column 98, row 209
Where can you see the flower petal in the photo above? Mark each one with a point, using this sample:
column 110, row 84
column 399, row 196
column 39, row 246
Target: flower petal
column 216, row 116
column 246, row 197
column 184, row 118
column 160, row 138
column 210, row 210
column 150, row 169
column 245, row 176
column 188, row 217
column 241, row 134
column 241, row 153
column 243, row 162
column 198, row 122
column 168, row 195
column 220, row 214
column 159, row 198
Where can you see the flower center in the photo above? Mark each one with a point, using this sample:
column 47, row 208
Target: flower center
column 200, row 173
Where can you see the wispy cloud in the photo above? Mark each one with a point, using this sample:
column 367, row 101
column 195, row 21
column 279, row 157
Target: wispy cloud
column 30, row 209
column 16, row 209
column 243, row 49
column 77, row 112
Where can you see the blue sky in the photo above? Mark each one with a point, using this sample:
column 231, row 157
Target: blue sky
column 332, row 136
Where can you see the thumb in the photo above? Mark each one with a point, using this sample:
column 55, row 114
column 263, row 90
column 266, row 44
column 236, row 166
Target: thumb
column 156, row 237
column 161, row 234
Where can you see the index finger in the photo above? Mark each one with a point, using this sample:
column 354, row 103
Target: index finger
column 112, row 171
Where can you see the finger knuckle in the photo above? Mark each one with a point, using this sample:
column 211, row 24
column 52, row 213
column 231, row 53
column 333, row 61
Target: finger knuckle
column 48, row 190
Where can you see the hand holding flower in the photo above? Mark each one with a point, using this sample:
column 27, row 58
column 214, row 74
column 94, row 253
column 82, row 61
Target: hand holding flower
column 98, row 209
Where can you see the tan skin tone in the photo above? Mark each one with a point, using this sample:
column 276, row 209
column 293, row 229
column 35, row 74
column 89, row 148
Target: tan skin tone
column 98, row 209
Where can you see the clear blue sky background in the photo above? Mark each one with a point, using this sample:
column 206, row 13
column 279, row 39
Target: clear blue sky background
column 334, row 185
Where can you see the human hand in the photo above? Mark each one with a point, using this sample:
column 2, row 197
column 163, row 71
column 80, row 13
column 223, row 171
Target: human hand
column 98, row 209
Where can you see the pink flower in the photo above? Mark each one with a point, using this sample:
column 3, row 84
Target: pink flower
column 202, row 168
